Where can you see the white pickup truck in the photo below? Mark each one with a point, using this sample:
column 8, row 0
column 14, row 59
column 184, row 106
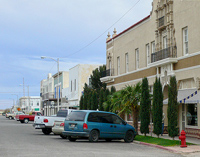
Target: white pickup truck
column 47, row 122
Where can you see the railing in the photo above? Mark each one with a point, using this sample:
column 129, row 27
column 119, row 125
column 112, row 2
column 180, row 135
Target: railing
column 108, row 72
column 169, row 52
column 161, row 21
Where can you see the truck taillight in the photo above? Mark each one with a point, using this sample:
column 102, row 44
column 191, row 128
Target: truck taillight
column 45, row 120
column 85, row 126
column 62, row 124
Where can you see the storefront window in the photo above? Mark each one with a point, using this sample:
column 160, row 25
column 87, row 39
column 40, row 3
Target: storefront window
column 192, row 114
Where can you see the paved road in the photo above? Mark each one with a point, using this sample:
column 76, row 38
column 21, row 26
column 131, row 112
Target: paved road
column 21, row 140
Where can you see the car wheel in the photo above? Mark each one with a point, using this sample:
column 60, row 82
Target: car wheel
column 26, row 120
column 71, row 139
column 46, row 131
column 94, row 136
column 63, row 136
column 108, row 139
column 129, row 136
column 10, row 118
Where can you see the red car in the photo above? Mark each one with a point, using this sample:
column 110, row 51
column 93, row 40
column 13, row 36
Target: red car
column 26, row 118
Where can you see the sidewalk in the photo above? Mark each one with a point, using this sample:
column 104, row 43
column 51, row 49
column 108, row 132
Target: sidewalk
column 177, row 149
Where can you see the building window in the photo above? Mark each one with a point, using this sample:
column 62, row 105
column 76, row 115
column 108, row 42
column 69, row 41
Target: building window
column 185, row 41
column 110, row 66
column 192, row 114
column 153, row 47
column 137, row 58
column 71, row 86
column 75, row 85
column 37, row 103
column 164, row 42
column 126, row 62
column 148, row 54
column 118, row 65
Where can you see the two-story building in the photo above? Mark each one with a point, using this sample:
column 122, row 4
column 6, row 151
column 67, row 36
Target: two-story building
column 51, row 92
column 28, row 104
column 163, row 44
column 78, row 76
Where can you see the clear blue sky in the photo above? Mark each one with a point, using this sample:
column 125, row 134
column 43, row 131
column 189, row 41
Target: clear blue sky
column 73, row 30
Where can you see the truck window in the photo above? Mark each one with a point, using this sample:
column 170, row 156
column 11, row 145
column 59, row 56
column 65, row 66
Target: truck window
column 62, row 113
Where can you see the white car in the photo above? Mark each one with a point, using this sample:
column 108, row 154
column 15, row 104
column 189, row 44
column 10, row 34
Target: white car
column 58, row 128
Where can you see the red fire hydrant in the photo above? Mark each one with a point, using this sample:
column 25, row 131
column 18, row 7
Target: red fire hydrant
column 183, row 139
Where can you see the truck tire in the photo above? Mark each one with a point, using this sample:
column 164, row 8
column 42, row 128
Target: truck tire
column 26, row 120
column 46, row 131
column 10, row 117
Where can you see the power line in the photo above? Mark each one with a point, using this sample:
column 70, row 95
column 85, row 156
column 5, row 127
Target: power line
column 103, row 32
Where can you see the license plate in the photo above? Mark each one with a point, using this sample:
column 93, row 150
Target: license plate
column 37, row 126
column 73, row 125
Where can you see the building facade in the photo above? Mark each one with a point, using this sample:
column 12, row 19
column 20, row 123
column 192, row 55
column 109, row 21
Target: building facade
column 29, row 104
column 78, row 76
column 51, row 90
column 163, row 44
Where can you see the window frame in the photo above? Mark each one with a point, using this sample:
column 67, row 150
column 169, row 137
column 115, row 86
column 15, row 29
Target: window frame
column 137, row 58
column 185, row 41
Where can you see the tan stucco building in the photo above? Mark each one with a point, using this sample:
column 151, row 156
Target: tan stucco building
column 163, row 44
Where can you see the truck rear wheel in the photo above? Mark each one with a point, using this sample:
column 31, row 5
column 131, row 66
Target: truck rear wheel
column 26, row 120
column 10, row 117
column 46, row 131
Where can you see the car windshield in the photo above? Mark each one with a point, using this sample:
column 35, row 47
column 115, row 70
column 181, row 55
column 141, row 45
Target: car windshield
column 76, row 116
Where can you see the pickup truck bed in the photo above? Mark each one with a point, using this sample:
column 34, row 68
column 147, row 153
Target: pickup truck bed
column 47, row 122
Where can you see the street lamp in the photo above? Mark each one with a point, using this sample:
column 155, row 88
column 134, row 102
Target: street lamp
column 43, row 57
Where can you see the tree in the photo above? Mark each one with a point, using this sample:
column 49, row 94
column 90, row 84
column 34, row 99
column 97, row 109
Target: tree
column 81, row 103
column 172, row 111
column 101, row 99
column 95, row 77
column 112, row 90
column 145, row 105
column 94, row 104
column 131, row 96
column 157, row 107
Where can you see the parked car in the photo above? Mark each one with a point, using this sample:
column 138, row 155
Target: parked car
column 10, row 115
column 3, row 114
column 96, row 125
column 47, row 122
column 28, row 117
column 17, row 115
column 58, row 128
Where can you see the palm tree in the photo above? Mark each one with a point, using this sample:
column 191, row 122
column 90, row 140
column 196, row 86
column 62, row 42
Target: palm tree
column 131, row 96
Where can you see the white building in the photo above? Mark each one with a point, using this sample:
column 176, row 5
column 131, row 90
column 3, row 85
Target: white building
column 51, row 90
column 31, row 103
column 78, row 76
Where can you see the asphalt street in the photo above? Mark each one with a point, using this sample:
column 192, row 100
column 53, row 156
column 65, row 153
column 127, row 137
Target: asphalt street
column 22, row 140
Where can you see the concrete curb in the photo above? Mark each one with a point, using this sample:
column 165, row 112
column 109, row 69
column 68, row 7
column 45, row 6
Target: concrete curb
column 157, row 146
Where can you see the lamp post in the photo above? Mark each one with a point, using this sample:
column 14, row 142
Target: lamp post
column 43, row 57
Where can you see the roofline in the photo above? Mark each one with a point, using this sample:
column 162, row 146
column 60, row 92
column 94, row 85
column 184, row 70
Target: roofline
column 129, row 28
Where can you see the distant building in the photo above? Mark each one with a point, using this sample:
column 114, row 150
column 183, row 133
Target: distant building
column 51, row 89
column 29, row 104
column 163, row 44
column 78, row 76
